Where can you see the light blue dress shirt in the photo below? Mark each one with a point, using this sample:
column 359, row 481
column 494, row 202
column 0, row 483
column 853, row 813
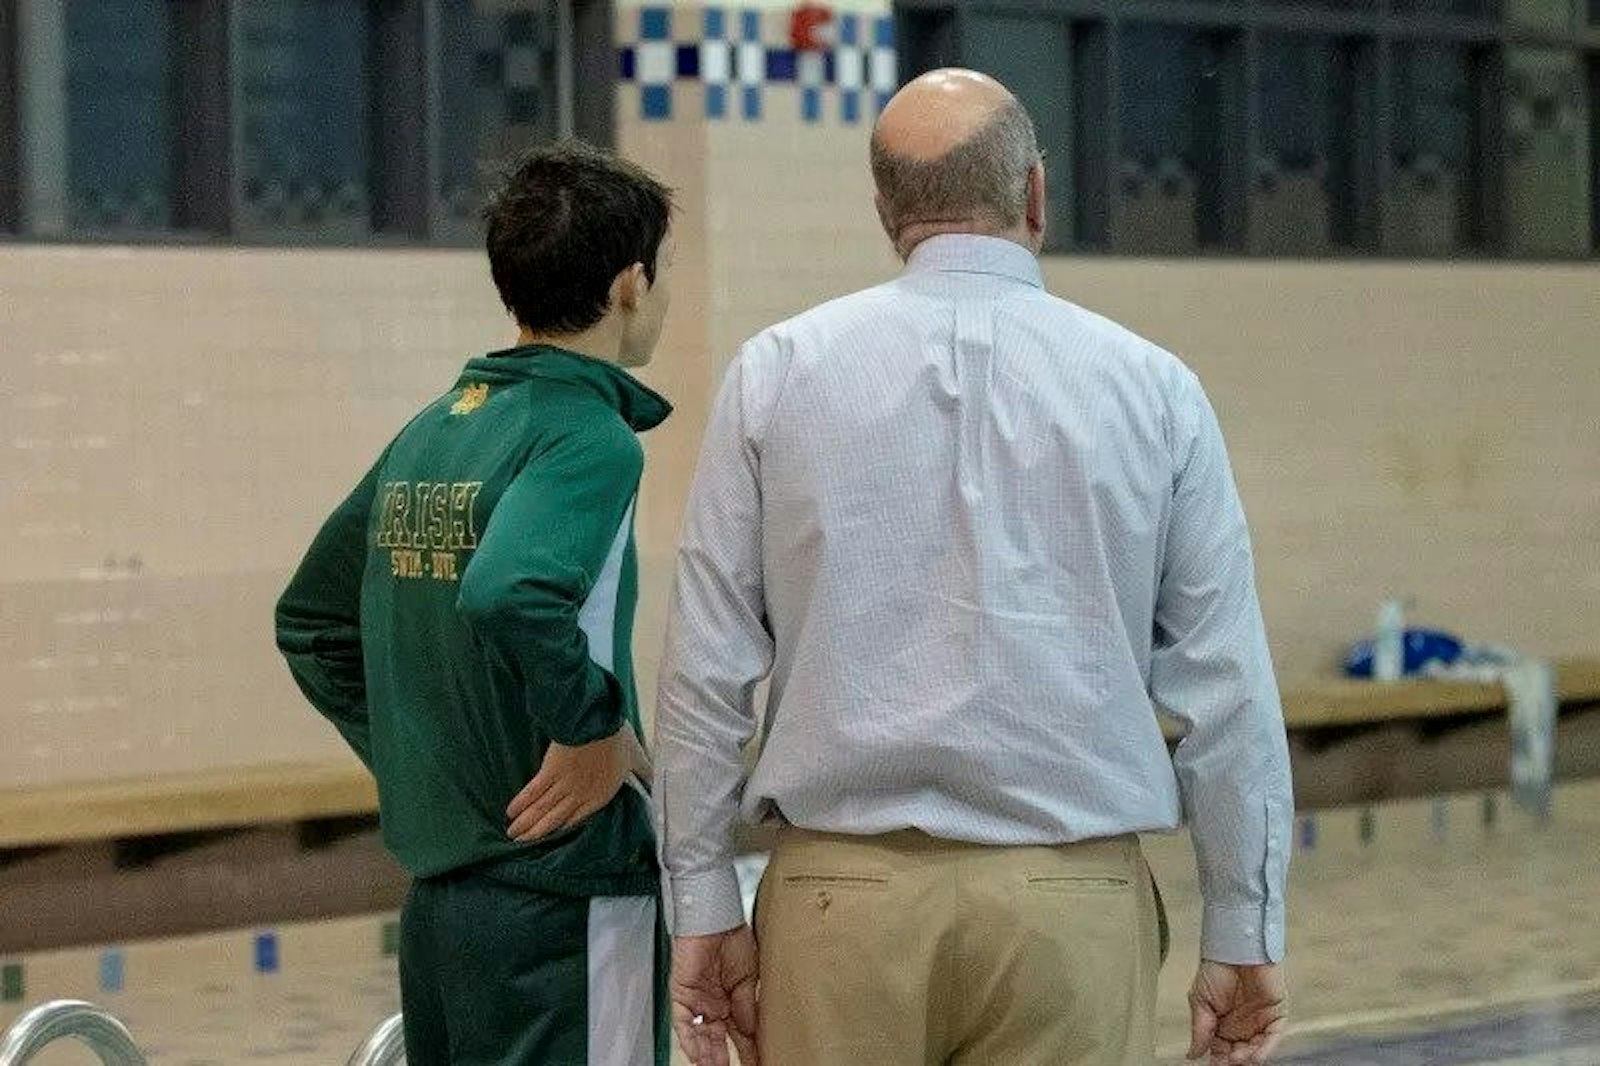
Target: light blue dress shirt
column 974, row 536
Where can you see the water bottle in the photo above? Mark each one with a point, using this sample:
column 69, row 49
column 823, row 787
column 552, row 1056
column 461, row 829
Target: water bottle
column 1389, row 642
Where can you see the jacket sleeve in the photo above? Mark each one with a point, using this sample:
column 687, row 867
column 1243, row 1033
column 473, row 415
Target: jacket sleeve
column 535, row 566
column 318, row 619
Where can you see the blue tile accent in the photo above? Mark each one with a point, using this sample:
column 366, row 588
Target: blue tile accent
column 782, row 64
column 1308, row 834
column 725, row 28
column 266, row 955
column 655, row 24
column 113, row 971
column 655, row 102
column 850, row 106
column 689, row 61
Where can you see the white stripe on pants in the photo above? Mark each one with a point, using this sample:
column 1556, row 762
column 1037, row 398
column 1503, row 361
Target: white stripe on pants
column 622, row 981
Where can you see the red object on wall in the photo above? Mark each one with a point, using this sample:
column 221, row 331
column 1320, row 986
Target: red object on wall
column 811, row 27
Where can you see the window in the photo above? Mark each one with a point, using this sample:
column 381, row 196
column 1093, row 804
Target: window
column 1032, row 55
column 1313, row 183
column 304, row 131
column 1338, row 5
column 1594, row 152
column 1182, row 125
column 121, row 114
column 1470, row 9
column 1298, row 127
column 96, row 116
column 1432, row 152
column 9, row 186
column 1546, row 172
column 289, row 120
column 927, row 39
column 510, row 78
column 497, row 91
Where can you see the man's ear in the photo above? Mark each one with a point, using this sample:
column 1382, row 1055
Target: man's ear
column 1036, row 199
column 629, row 287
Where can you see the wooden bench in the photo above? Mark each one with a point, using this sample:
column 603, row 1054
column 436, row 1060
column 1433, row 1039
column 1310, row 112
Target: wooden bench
column 269, row 795
column 1343, row 702
column 183, row 803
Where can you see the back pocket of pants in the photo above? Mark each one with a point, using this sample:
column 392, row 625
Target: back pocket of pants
column 864, row 881
column 1079, row 884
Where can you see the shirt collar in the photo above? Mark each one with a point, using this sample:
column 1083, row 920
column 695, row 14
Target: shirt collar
column 969, row 253
column 639, row 405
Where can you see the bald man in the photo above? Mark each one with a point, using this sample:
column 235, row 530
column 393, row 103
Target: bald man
column 973, row 536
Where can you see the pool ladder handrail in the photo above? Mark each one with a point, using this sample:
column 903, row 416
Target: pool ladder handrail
column 70, row 1019
column 385, row 1047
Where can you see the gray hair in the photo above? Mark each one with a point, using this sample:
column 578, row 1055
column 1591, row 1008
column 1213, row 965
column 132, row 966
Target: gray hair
column 981, row 179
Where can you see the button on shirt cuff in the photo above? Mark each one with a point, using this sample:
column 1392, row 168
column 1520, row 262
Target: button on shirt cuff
column 1242, row 934
column 705, row 903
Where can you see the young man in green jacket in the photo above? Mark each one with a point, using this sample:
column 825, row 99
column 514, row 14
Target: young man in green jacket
column 465, row 618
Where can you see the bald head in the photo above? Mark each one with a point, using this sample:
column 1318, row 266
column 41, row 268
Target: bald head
column 938, row 111
column 954, row 151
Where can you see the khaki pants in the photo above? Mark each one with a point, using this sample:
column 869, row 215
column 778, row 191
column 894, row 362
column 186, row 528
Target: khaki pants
column 902, row 950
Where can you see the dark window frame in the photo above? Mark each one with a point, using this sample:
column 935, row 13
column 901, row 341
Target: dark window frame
column 400, row 127
column 1371, row 29
column 10, row 125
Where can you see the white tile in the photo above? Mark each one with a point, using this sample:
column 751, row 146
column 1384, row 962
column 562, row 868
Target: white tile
column 850, row 68
column 885, row 70
column 656, row 63
column 752, row 63
column 716, row 62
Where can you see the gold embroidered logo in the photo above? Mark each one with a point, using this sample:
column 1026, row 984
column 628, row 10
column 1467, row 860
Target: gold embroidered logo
column 472, row 398
column 426, row 525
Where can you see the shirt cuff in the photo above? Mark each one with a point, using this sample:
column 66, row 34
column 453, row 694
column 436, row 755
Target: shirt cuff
column 1249, row 934
column 706, row 903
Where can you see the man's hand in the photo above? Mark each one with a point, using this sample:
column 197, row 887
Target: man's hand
column 572, row 784
column 714, row 982
column 1237, row 1013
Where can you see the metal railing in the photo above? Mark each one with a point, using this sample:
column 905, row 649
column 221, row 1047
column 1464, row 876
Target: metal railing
column 385, row 1047
column 69, row 1019
column 110, row 1041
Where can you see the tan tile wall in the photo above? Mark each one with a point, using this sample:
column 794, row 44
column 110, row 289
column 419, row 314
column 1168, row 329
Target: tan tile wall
column 791, row 217
column 176, row 422
column 1422, row 430
column 684, row 370
column 175, row 425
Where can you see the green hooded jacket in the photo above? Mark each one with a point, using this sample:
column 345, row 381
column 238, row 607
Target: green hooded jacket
column 472, row 601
